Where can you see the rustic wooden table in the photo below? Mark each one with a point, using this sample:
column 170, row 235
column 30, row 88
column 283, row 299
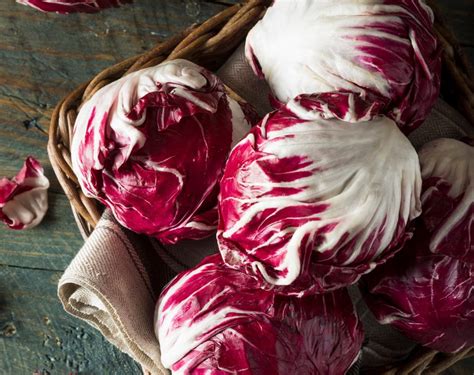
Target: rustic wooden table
column 42, row 58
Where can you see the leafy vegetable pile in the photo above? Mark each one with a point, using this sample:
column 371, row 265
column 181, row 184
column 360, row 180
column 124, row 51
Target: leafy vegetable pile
column 321, row 191
column 152, row 147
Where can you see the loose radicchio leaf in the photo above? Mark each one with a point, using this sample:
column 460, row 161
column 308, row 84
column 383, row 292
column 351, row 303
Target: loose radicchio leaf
column 24, row 199
column 152, row 146
column 428, row 297
column 72, row 6
column 217, row 320
column 448, row 197
column 383, row 51
column 310, row 204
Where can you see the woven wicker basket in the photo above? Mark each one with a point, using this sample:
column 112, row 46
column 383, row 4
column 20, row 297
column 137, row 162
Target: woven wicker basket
column 210, row 44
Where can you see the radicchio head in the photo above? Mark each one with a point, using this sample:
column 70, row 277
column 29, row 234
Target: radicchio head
column 428, row 297
column 427, row 291
column 447, row 167
column 24, row 199
column 152, row 147
column 217, row 320
column 309, row 204
column 383, row 51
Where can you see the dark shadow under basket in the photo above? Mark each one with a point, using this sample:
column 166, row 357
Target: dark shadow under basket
column 210, row 44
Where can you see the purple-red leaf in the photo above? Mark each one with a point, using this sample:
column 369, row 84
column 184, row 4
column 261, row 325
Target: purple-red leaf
column 73, row 6
column 24, row 198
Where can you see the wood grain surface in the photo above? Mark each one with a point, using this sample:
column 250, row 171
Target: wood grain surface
column 36, row 334
column 42, row 58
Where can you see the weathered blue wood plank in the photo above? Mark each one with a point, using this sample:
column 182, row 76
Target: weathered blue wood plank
column 35, row 334
column 50, row 245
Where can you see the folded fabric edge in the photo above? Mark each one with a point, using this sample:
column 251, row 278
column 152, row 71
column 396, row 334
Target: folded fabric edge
column 68, row 286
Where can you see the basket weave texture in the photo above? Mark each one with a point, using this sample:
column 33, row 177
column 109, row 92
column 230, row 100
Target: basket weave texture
column 210, row 44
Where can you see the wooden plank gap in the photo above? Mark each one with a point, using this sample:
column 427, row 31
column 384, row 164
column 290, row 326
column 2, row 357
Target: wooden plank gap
column 30, row 268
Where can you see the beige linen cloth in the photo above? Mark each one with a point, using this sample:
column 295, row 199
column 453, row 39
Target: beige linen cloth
column 114, row 281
